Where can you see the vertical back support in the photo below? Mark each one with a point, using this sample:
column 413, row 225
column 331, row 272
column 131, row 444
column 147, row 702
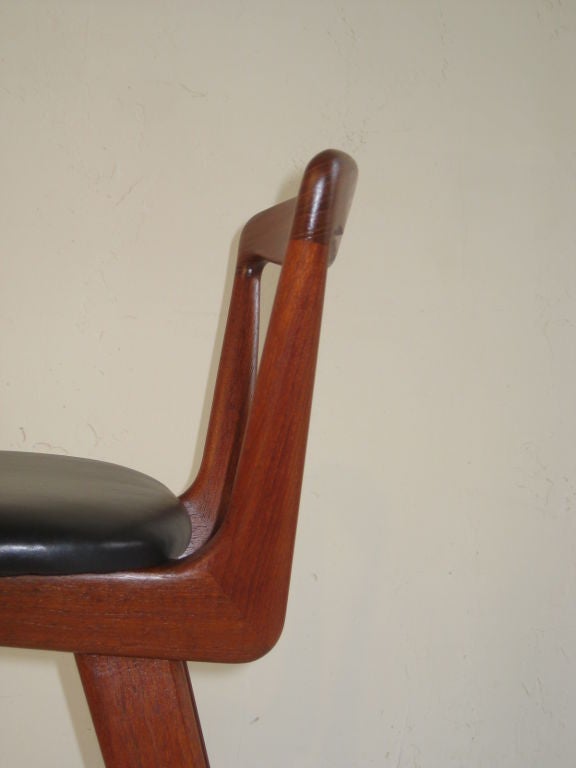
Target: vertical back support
column 317, row 216
column 207, row 499
column 208, row 496
column 266, row 492
column 225, row 601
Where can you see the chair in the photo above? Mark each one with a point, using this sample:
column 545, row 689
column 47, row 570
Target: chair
column 108, row 564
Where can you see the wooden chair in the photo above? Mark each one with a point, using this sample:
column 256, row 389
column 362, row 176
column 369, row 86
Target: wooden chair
column 108, row 564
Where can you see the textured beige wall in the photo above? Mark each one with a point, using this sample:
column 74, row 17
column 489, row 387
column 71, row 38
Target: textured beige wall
column 432, row 618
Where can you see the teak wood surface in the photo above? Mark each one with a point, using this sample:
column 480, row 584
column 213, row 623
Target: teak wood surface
column 143, row 711
column 225, row 600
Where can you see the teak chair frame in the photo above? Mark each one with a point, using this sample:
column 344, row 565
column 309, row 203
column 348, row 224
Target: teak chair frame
column 225, row 600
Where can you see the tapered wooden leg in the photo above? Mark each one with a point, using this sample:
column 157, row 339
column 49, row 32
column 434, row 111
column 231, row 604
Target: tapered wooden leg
column 143, row 711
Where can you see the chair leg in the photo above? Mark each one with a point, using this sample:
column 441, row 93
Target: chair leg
column 143, row 711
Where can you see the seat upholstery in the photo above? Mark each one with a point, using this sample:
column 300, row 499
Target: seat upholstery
column 64, row 515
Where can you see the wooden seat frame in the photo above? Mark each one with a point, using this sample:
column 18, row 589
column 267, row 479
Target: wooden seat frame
column 225, row 600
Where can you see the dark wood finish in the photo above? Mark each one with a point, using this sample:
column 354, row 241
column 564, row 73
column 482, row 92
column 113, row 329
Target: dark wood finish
column 208, row 496
column 324, row 200
column 143, row 711
column 225, row 601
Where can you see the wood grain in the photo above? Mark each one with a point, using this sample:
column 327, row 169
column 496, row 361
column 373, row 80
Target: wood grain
column 143, row 711
column 226, row 600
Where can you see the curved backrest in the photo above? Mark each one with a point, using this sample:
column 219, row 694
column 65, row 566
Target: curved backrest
column 226, row 600
column 302, row 234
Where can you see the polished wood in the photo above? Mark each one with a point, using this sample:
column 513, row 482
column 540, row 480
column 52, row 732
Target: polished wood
column 225, row 600
column 208, row 496
column 143, row 711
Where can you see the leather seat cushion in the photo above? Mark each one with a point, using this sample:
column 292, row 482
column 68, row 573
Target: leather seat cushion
column 62, row 515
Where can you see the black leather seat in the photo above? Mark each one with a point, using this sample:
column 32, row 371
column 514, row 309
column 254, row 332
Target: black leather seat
column 61, row 515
